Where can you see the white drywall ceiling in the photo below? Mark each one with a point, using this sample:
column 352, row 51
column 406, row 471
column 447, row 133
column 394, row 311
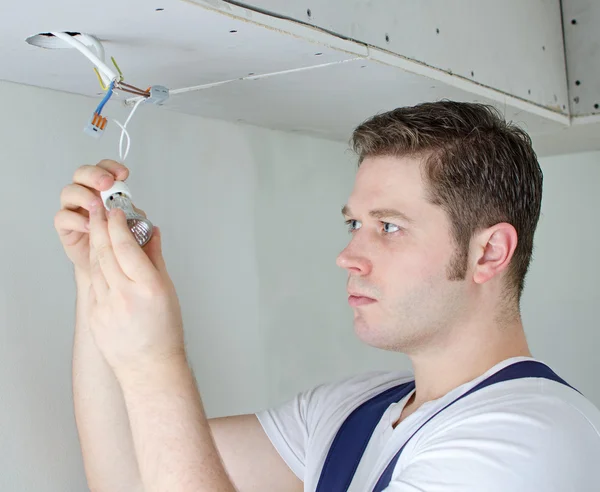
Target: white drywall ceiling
column 582, row 45
column 514, row 46
column 329, row 102
column 181, row 46
column 316, row 82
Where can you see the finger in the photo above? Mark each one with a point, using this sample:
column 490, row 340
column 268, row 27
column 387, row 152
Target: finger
column 75, row 196
column 118, row 170
column 66, row 222
column 153, row 250
column 99, row 285
column 132, row 259
column 100, row 242
column 94, row 177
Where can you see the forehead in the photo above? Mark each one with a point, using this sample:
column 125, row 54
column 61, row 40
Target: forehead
column 388, row 181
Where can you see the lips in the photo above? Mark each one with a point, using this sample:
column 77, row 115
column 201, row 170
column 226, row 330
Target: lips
column 355, row 299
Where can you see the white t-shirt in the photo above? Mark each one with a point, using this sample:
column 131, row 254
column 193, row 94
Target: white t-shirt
column 523, row 435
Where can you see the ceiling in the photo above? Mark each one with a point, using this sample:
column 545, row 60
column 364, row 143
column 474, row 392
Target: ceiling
column 313, row 75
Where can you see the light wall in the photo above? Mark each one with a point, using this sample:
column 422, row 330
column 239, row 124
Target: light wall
column 251, row 227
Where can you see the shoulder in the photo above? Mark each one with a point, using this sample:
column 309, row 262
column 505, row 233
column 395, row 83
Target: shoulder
column 524, row 407
column 309, row 421
column 520, row 435
column 326, row 406
column 336, row 398
column 344, row 395
column 516, row 434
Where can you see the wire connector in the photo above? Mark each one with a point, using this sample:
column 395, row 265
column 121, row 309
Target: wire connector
column 158, row 95
column 96, row 125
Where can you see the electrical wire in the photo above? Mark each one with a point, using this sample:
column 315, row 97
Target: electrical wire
column 108, row 95
column 82, row 48
column 113, row 83
column 125, row 134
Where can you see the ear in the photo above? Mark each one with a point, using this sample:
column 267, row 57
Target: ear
column 494, row 248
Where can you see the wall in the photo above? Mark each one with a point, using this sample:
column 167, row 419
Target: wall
column 251, row 225
column 562, row 295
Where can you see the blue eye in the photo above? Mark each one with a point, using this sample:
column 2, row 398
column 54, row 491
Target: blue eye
column 387, row 226
column 353, row 225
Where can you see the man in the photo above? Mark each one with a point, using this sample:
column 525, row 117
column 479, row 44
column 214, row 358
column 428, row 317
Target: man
column 442, row 215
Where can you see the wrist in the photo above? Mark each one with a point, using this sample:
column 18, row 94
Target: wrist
column 82, row 277
column 152, row 369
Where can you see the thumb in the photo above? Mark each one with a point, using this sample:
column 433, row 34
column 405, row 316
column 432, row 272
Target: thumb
column 154, row 250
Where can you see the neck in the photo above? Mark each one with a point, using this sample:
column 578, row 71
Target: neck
column 463, row 356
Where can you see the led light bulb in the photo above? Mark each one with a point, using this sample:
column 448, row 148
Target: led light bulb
column 119, row 196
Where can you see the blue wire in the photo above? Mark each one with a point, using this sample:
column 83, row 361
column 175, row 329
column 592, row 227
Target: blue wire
column 108, row 95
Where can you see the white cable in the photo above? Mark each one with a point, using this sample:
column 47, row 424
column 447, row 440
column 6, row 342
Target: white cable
column 105, row 71
column 102, row 67
column 125, row 133
column 183, row 90
column 97, row 45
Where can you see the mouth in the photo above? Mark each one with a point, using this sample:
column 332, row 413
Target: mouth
column 356, row 299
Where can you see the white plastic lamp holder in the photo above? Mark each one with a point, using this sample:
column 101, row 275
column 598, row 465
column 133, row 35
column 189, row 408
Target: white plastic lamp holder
column 119, row 196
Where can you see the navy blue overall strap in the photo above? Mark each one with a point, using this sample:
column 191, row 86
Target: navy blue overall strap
column 518, row 370
column 352, row 438
column 355, row 432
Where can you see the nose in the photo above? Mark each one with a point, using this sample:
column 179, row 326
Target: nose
column 354, row 261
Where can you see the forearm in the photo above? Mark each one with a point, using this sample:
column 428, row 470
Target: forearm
column 173, row 441
column 100, row 413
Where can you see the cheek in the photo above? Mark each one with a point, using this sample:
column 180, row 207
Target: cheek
column 416, row 263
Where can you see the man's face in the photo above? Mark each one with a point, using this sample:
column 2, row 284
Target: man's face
column 399, row 258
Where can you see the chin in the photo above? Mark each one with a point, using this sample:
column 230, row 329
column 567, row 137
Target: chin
column 373, row 334
column 386, row 337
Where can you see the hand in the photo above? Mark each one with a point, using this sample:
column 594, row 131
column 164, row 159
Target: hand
column 135, row 317
column 72, row 221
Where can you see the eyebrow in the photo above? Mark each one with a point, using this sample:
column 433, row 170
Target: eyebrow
column 382, row 213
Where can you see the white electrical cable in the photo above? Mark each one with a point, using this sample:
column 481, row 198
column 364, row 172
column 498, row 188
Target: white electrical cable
column 102, row 67
column 122, row 155
column 97, row 45
column 107, row 76
column 183, row 90
column 125, row 133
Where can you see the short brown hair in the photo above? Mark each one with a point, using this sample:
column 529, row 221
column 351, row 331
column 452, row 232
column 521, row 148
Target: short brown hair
column 479, row 168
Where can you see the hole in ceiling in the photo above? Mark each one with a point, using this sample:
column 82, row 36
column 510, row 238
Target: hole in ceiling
column 578, row 82
column 233, row 31
column 437, row 31
column 574, row 21
column 387, row 38
column 543, row 48
column 308, row 12
column 51, row 42
column 596, row 106
column 528, row 91
column 160, row 10
column 472, row 74
column 318, row 54
column 50, row 35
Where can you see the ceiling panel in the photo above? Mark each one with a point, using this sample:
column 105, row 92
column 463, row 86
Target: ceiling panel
column 180, row 46
column 513, row 46
column 582, row 44
column 329, row 102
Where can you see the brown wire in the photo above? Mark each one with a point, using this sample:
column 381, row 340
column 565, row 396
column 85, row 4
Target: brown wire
column 131, row 89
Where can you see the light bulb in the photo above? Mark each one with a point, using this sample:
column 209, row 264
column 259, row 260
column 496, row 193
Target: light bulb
column 119, row 196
